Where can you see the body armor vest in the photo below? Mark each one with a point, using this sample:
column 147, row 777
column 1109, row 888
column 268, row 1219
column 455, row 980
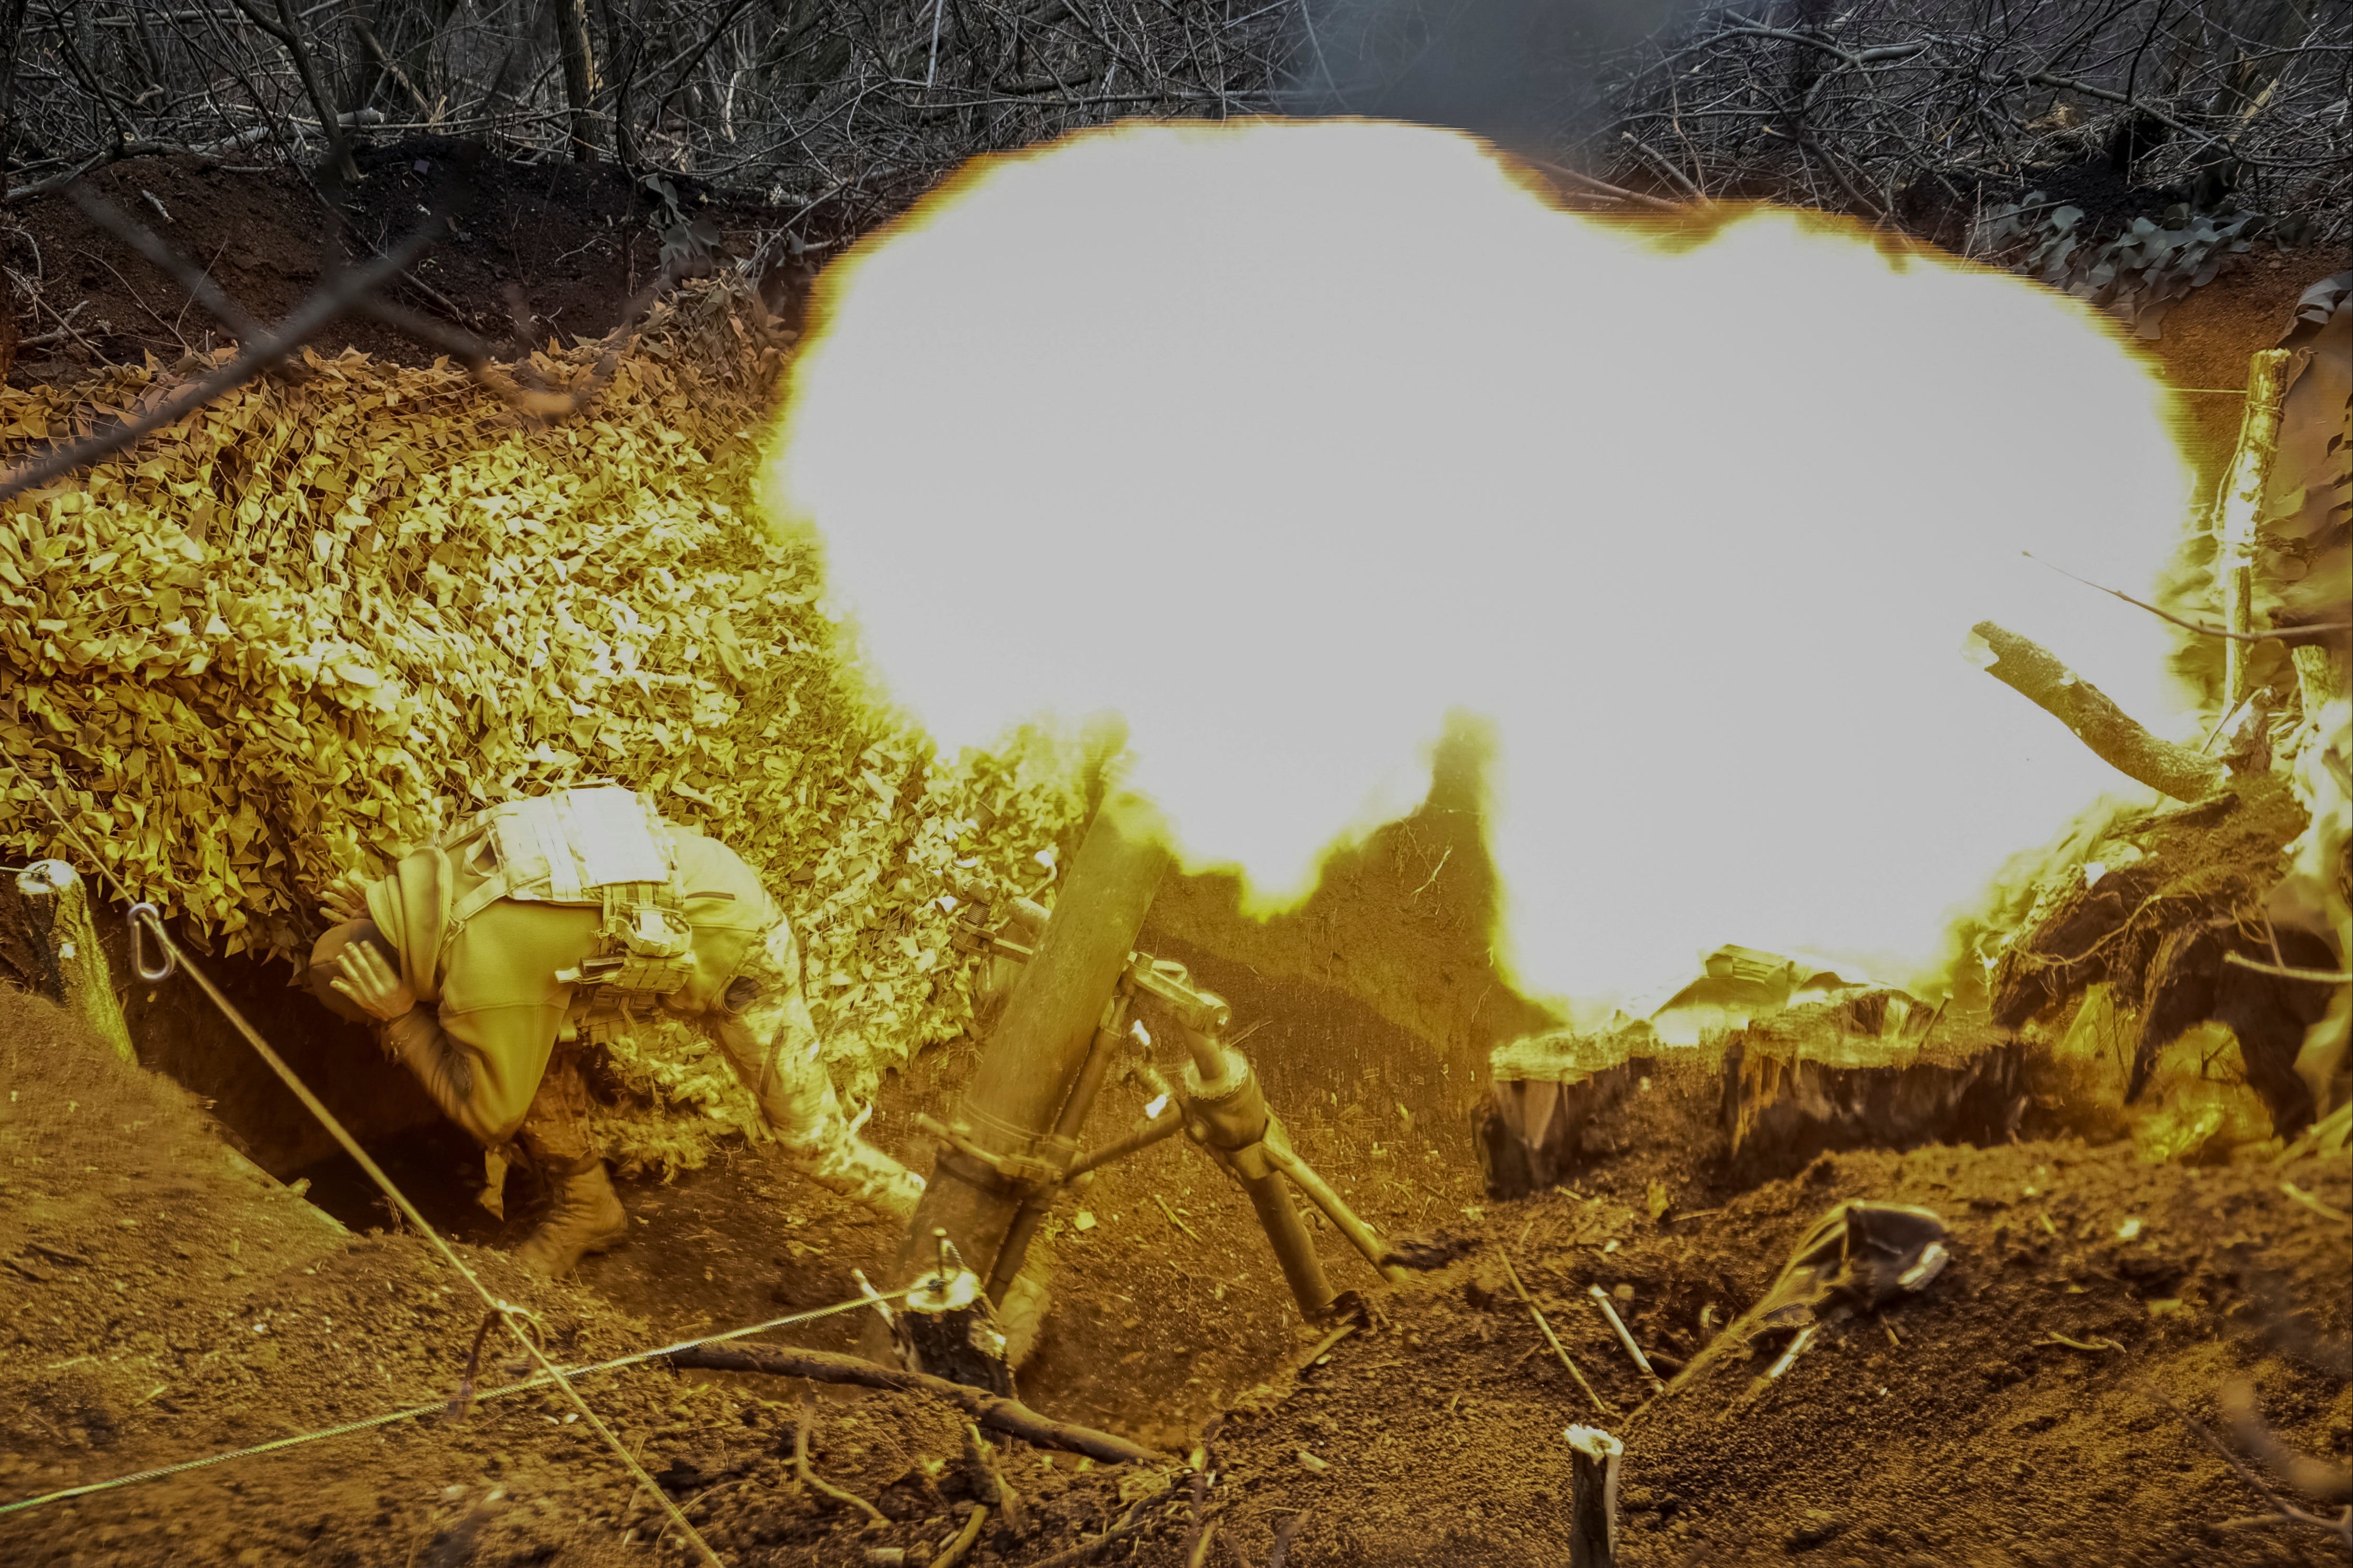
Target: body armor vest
column 604, row 848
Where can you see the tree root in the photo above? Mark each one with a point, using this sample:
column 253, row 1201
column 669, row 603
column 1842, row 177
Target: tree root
column 989, row 1481
column 961, row 1547
column 816, row 1482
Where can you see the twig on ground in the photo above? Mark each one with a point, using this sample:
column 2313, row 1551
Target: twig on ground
column 2315, row 1204
column 2316, row 1479
column 1315, row 1352
column 961, row 1547
column 1179, row 1224
column 1284, row 1535
column 1008, row 1415
column 1550, row 1337
column 994, row 1488
column 803, row 1471
column 1603, row 188
column 1199, row 1528
column 1626, row 1337
column 2283, row 1513
column 2090, row 1347
column 1130, row 1523
column 113, row 152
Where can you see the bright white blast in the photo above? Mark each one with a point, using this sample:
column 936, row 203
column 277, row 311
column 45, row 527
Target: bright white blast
column 1285, row 439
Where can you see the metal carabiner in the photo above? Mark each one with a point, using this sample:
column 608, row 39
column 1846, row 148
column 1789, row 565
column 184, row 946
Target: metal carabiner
column 153, row 919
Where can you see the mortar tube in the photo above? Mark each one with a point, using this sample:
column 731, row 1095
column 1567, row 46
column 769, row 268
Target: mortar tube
column 1038, row 1051
column 1062, row 1141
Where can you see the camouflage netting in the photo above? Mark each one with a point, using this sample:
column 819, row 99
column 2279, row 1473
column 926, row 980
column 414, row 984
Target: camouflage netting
column 301, row 633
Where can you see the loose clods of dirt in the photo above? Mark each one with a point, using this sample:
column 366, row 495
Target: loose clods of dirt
column 167, row 1303
column 1958, row 1427
column 2013, row 1413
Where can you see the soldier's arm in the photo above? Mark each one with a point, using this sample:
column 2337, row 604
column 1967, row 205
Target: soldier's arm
column 480, row 1068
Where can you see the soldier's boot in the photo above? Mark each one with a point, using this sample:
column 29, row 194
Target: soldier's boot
column 585, row 1216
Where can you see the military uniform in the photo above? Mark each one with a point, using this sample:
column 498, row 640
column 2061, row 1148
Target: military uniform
column 544, row 925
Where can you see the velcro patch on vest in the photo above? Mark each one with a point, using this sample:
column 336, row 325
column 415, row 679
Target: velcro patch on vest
column 568, row 847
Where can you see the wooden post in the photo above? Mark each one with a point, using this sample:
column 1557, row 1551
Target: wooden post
column 1593, row 1496
column 2242, row 510
column 57, row 907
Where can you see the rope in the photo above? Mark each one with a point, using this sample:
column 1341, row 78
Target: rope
column 351, row 1146
column 414, row 1411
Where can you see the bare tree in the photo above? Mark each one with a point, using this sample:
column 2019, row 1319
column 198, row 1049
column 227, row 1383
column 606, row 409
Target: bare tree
column 579, row 75
column 1902, row 111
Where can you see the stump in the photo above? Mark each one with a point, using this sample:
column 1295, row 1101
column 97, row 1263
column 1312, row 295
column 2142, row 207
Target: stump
column 1593, row 1496
column 57, row 907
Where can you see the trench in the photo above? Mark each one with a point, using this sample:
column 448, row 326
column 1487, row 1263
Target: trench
column 1167, row 1303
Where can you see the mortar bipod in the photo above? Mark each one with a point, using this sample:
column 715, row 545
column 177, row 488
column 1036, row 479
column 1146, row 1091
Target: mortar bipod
column 1222, row 1109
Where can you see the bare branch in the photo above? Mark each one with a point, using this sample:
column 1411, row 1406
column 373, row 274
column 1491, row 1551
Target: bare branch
column 1007, row 1415
column 256, row 356
column 2296, row 635
column 288, row 31
column 2028, row 668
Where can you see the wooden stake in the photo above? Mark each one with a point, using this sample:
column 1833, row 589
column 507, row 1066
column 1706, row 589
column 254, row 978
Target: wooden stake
column 1626, row 1337
column 1593, row 1496
column 2241, row 509
column 57, row 907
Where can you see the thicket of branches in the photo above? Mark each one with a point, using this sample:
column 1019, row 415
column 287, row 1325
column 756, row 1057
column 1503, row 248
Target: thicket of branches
column 1890, row 109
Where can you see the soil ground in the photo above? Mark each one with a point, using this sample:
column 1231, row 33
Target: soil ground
column 554, row 249
column 171, row 1304
column 164, row 1302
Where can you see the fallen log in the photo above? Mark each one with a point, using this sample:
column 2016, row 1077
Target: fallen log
column 2035, row 673
column 1007, row 1415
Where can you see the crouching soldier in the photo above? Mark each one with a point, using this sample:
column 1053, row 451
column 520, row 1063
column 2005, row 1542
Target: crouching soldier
column 490, row 960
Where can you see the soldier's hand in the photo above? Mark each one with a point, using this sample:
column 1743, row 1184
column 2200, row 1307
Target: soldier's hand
column 371, row 983
column 345, row 898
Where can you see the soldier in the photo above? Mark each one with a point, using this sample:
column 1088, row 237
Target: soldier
column 489, row 960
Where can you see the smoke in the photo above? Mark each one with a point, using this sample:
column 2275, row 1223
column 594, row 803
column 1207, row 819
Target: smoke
column 1288, row 440
column 1520, row 72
